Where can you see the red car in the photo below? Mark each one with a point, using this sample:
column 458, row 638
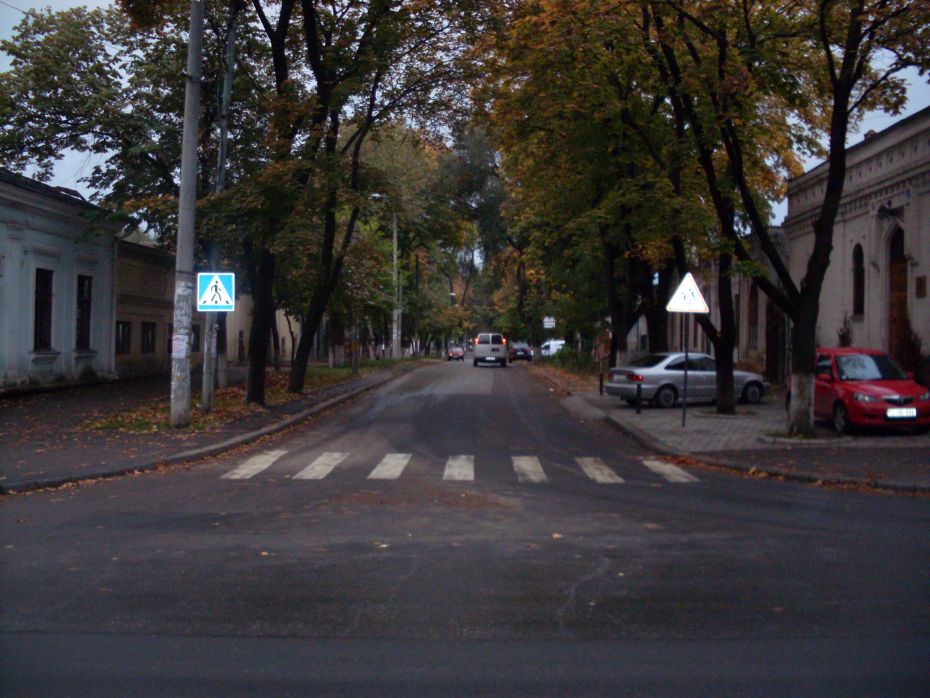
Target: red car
column 866, row 388
column 455, row 353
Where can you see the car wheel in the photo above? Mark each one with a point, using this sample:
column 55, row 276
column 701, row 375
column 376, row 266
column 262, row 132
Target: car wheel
column 752, row 393
column 474, row 363
column 504, row 363
column 840, row 418
column 665, row 396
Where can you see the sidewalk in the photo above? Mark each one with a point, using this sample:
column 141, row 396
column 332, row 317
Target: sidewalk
column 42, row 443
column 748, row 442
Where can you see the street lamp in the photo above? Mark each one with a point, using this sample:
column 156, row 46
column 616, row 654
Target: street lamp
column 396, row 313
column 184, row 257
column 396, row 324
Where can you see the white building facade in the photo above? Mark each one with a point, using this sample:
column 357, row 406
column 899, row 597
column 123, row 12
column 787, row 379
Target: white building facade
column 877, row 280
column 57, row 280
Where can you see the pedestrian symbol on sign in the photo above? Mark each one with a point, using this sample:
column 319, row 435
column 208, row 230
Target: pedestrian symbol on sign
column 215, row 292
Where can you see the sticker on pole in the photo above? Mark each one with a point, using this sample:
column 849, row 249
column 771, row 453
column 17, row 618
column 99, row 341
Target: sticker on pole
column 215, row 292
column 687, row 298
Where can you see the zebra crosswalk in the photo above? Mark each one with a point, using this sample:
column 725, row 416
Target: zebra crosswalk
column 458, row 468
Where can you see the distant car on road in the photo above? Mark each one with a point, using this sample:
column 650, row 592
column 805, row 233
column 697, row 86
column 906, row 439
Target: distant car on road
column 552, row 347
column 455, row 353
column 520, row 351
column 491, row 348
column 856, row 387
column 662, row 378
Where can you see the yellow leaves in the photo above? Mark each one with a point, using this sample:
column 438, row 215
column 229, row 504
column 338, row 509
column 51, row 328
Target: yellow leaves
column 228, row 405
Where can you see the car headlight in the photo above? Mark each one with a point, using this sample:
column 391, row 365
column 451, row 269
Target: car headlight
column 862, row 397
column 924, row 397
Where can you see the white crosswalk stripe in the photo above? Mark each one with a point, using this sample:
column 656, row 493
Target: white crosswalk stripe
column 528, row 469
column 670, row 472
column 390, row 467
column 254, row 465
column 321, row 467
column 460, row 468
column 595, row 469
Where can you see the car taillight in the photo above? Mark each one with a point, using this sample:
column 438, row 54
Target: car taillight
column 635, row 377
column 505, row 341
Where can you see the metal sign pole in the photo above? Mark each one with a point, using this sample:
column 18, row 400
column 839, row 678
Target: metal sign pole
column 687, row 299
column 684, row 401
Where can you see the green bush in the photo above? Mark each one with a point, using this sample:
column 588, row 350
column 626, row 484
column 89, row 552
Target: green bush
column 571, row 360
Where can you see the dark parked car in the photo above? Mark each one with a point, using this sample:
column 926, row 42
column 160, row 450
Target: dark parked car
column 520, row 351
column 866, row 388
column 455, row 353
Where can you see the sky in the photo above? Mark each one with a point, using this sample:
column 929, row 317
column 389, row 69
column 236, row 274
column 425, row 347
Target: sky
column 75, row 165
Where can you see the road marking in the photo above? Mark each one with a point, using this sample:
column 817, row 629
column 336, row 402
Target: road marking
column 253, row 465
column 390, row 467
column 460, row 468
column 321, row 467
column 596, row 470
column 528, row 469
column 670, row 472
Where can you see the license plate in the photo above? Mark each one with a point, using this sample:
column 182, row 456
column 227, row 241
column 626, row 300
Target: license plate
column 901, row 413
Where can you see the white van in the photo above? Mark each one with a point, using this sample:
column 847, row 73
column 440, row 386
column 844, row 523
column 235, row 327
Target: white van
column 553, row 346
column 490, row 348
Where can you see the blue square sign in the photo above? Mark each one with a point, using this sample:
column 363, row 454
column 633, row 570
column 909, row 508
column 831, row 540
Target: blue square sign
column 216, row 292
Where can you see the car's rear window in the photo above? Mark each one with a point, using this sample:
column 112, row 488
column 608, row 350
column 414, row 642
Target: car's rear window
column 868, row 367
column 490, row 339
column 484, row 339
column 649, row 360
column 497, row 339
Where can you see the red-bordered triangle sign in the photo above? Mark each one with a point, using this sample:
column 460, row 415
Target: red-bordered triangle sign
column 687, row 298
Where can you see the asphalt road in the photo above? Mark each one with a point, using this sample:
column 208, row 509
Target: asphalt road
column 461, row 531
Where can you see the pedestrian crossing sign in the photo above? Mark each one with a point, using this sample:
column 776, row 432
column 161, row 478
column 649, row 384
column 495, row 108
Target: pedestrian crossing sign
column 216, row 291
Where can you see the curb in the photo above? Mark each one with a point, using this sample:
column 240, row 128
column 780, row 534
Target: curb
column 648, row 442
column 205, row 451
column 808, row 478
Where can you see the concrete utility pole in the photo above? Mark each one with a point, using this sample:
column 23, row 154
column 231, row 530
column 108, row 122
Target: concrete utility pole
column 184, row 264
column 396, row 352
column 210, row 356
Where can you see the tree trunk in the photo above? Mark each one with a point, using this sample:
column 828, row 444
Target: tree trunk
column 726, row 337
column 655, row 298
column 276, row 345
column 262, row 319
column 803, row 362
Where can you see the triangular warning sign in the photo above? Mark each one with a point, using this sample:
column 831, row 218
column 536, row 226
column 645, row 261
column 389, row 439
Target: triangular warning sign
column 215, row 294
column 687, row 298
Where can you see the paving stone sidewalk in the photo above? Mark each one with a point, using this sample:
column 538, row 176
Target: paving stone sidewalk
column 750, row 439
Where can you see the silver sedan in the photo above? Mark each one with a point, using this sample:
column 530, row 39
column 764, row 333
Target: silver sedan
column 662, row 379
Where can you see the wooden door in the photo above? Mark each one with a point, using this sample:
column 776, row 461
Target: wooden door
column 897, row 294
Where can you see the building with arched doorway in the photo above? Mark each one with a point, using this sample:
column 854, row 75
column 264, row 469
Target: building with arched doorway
column 876, row 285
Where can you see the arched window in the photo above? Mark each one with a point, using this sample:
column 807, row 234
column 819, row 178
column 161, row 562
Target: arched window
column 858, row 264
